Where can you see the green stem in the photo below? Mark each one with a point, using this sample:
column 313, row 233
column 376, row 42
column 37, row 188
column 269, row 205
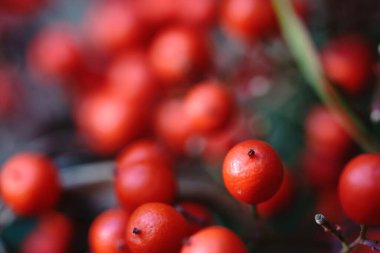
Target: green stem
column 306, row 56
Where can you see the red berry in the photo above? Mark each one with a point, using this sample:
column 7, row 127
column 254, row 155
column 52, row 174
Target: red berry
column 359, row 189
column 143, row 150
column 29, row 184
column 208, row 105
column 348, row 62
column 325, row 135
column 281, row 200
column 214, row 239
column 177, row 54
column 252, row 171
column 144, row 181
column 55, row 53
column 156, row 228
column 107, row 232
column 108, row 122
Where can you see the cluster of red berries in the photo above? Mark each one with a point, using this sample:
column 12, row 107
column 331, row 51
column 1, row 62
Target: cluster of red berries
column 146, row 86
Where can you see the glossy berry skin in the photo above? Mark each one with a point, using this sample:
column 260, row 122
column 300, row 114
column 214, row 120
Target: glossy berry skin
column 281, row 200
column 208, row 106
column 197, row 13
column 252, row 171
column 143, row 182
column 214, row 239
column 156, row 228
column 52, row 235
column 29, row 184
column 107, row 232
column 348, row 62
column 359, row 189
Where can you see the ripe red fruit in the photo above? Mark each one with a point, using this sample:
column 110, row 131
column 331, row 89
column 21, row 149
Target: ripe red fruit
column 281, row 200
column 55, row 53
column 144, row 181
column 177, row 54
column 29, row 184
column 252, row 171
column 325, row 135
column 112, row 26
column 52, row 235
column 248, row 19
column 173, row 133
column 155, row 228
column 108, row 122
column 142, row 150
column 131, row 77
column 208, row 105
column 348, row 62
column 197, row 215
column 214, row 239
column 359, row 189
column 328, row 204
column 107, row 232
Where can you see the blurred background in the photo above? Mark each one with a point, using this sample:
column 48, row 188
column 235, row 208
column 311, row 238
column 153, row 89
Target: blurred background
column 81, row 80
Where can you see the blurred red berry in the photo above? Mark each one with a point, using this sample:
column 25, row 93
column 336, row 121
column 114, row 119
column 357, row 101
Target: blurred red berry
column 29, row 184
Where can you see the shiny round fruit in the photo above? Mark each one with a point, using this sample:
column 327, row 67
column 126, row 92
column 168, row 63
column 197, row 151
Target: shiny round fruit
column 29, row 184
column 214, row 239
column 145, row 181
column 107, row 232
column 281, row 200
column 252, row 171
column 156, row 228
column 208, row 105
column 348, row 62
column 359, row 189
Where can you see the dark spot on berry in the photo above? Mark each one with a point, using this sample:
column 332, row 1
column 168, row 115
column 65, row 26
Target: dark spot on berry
column 136, row 231
column 251, row 152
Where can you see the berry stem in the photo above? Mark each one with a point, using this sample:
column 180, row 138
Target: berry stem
column 362, row 240
column 305, row 54
column 321, row 220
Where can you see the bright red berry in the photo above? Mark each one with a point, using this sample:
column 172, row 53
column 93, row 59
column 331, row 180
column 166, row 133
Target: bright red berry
column 252, row 171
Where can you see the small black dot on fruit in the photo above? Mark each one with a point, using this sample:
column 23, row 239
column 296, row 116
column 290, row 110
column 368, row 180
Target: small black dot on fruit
column 251, row 152
column 136, row 231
